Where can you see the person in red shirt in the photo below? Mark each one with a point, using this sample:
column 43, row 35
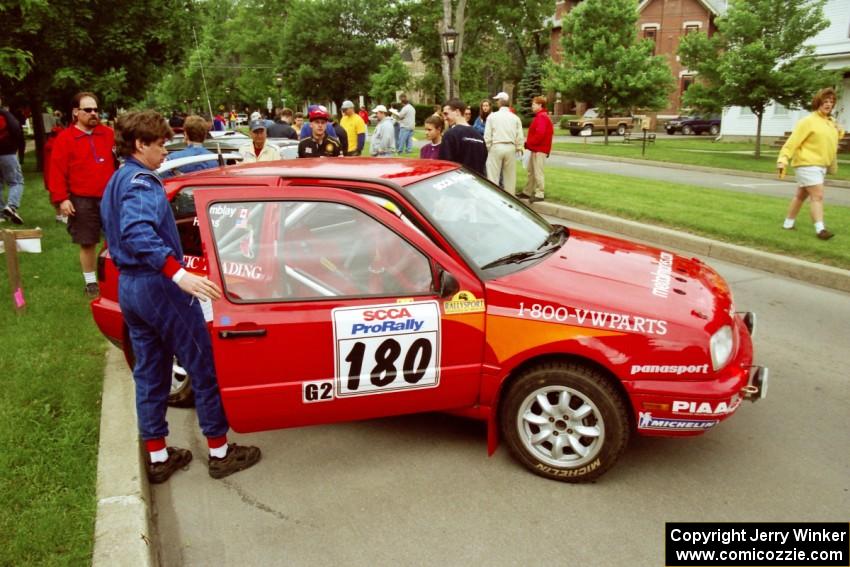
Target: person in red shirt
column 364, row 114
column 539, row 143
column 81, row 165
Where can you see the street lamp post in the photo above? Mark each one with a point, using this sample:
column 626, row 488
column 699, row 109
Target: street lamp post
column 450, row 50
column 278, row 79
column 227, row 106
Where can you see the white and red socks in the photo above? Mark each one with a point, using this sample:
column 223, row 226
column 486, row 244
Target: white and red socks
column 819, row 227
column 218, row 446
column 156, row 449
column 90, row 277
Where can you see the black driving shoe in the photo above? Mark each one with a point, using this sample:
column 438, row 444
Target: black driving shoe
column 160, row 472
column 238, row 458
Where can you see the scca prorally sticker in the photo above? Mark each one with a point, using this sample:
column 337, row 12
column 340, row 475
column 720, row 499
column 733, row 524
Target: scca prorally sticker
column 317, row 391
column 646, row 421
column 386, row 348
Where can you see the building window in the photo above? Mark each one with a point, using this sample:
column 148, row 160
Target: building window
column 652, row 34
column 691, row 29
column 687, row 81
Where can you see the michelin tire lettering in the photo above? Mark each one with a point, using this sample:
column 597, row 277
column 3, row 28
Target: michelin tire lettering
column 598, row 319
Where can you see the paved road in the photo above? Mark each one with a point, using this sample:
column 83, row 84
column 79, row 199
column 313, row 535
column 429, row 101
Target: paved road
column 770, row 187
column 421, row 490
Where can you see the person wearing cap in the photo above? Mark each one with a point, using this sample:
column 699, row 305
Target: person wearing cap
column 461, row 142
column 354, row 127
column 319, row 144
column 259, row 149
column 504, row 138
column 383, row 140
column 407, row 122
column 305, row 132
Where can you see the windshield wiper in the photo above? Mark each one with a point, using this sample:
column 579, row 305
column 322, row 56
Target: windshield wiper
column 552, row 243
column 512, row 258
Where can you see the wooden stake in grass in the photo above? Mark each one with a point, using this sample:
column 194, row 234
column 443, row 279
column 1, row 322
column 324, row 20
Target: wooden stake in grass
column 10, row 245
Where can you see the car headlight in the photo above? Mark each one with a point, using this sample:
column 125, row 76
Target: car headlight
column 721, row 347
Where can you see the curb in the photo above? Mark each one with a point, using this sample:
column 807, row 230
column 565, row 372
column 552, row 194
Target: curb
column 826, row 276
column 122, row 532
column 671, row 165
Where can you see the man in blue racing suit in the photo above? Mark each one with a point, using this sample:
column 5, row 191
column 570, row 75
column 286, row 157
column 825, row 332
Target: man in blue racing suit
column 159, row 300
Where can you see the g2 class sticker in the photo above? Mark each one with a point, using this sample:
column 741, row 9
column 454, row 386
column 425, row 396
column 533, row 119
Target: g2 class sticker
column 646, row 421
column 386, row 348
column 317, row 391
column 463, row 302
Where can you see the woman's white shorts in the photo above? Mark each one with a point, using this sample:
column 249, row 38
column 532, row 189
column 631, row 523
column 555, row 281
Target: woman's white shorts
column 808, row 175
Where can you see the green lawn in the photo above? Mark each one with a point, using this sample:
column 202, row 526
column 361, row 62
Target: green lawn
column 52, row 372
column 694, row 150
column 739, row 218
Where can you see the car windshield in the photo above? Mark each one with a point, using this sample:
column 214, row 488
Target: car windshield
column 590, row 113
column 487, row 225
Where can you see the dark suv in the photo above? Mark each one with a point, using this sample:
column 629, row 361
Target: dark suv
column 695, row 124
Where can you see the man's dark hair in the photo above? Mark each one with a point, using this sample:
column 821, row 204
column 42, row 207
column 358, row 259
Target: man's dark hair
column 286, row 113
column 147, row 126
column 299, row 115
column 196, row 128
column 456, row 104
column 75, row 102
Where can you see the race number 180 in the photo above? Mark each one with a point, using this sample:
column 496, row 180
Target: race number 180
column 386, row 348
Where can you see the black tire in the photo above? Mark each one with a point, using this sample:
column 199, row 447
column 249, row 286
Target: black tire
column 574, row 132
column 588, row 128
column 181, row 395
column 670, row 131
column 603, row 418
column 714, row 130
column 621, row 129
column 687, row 130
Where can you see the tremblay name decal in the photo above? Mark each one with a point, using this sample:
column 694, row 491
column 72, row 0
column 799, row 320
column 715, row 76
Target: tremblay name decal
column 646, row 421
column 661, row 283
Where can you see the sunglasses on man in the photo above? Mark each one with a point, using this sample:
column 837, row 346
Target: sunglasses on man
column 89, row 110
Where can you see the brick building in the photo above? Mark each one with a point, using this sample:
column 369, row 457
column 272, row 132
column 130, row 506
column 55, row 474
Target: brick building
column 664, row 22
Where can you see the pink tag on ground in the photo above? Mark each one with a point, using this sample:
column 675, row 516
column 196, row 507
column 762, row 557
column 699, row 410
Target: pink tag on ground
column 19, row 298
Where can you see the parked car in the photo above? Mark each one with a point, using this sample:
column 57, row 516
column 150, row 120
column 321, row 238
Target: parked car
column 229, row 141
column 695, row 124
column 593, row 121
column 241, row 119
column 359, row 288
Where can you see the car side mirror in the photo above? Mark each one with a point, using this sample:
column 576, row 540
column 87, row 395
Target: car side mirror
column 448, row 284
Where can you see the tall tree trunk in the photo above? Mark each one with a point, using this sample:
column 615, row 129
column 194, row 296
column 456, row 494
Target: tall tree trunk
column 36, row 107
column 759, row 116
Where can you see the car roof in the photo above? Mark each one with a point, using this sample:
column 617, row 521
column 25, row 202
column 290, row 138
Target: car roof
column 396, row 170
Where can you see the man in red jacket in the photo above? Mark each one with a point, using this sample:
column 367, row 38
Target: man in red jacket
column 539, row 143
column 81, row 165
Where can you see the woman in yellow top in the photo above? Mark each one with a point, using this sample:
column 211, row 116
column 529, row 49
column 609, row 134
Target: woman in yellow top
column 812, row 149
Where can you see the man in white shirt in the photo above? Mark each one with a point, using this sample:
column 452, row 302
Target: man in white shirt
column 504, row 139
column 259, row 149
column 383, row 140
column 407, row 122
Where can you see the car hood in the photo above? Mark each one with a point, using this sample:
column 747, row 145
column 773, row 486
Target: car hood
column 601, row 273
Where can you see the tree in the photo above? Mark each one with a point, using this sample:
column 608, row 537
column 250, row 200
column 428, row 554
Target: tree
column 530, row 86
column 390, row 78
column 759, row 54
column 603, row 64
column 114, row 48
column 331, row 47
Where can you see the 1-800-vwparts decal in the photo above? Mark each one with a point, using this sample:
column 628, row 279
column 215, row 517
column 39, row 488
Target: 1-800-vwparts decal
column 590, row 317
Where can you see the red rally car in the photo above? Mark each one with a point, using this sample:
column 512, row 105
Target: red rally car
column 360, row 288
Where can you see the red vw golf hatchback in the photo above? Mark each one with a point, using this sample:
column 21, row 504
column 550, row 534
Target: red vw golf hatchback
column 361, row 288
